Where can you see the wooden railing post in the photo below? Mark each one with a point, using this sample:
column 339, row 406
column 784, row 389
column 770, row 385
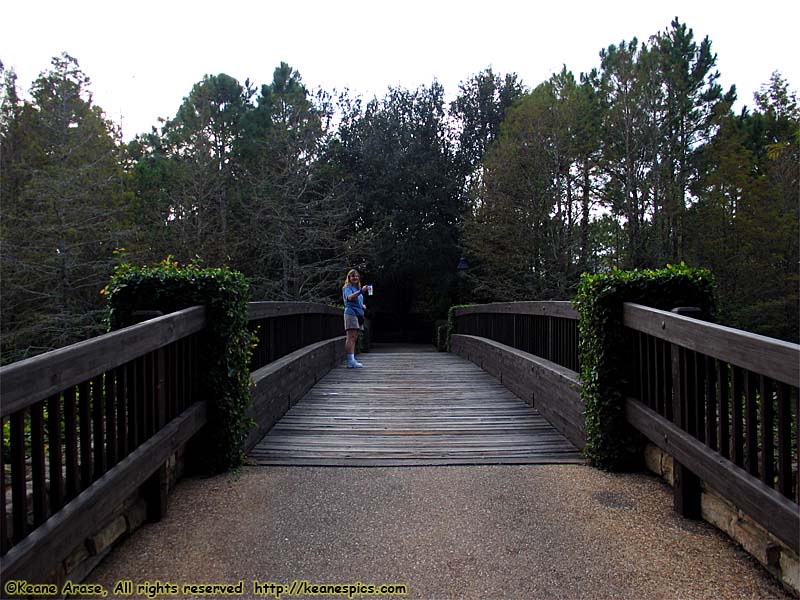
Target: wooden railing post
column 686, row 485
column 155, row 489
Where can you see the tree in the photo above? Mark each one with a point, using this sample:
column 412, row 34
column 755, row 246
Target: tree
column 63, row 211
column 480, row 108
column 628, row 158
column 400, row 156
column 291, row 219
column 510, row 228
column 744, row 225
column 198, row 145
column 692, row 98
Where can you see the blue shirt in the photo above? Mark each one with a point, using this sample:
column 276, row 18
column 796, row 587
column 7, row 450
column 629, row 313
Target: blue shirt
column 353, row 307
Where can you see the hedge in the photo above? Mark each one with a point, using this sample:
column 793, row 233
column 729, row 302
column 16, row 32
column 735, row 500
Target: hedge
column 227, row 343
column 451, row 323
column 610, row 445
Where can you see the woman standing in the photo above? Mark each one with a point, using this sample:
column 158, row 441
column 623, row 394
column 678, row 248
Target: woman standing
column 353, row 296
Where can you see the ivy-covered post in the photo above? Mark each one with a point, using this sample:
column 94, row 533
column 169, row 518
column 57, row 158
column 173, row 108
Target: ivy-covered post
column 226, row 347
column 451, row 324
column 610, row 443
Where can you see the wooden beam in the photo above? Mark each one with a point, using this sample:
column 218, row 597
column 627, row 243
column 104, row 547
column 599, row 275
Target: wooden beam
column 412, row 409
column 550, row 388
column 563, row 309
column 768, row 507
column 27, row 381
column 49, row 544
column 767, row 356
column 281, row 383
column 264, row 310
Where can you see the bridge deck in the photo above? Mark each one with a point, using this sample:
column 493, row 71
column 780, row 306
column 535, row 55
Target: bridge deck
column 411, row 409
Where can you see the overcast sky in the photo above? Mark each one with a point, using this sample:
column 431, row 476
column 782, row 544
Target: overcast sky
column 143, row 57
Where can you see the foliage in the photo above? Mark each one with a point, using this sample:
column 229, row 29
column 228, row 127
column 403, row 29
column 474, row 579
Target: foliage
column 406, row 203
column 634, row 164
column 640, row 164
column 292, row 217
column 64, row 211
column 602, row 356
column 451, row 324
column 227, row 343
column 745, row 226
column 524, row 228
column 481, row 106
column 441, row 329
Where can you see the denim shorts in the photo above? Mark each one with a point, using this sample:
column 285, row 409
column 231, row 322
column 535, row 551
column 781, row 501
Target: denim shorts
column 351, row 322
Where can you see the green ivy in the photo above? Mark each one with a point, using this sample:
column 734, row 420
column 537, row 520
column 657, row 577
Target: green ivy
column 451, row 323
column 227, row 344
column 610, row 445
column 440, row 334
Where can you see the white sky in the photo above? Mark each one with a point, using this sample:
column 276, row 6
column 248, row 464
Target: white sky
column 143, row 57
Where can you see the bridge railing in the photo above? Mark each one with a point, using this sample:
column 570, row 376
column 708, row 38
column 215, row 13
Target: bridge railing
column 283, row 327
column 722, row 402
column 545, row 329
column 87, row 425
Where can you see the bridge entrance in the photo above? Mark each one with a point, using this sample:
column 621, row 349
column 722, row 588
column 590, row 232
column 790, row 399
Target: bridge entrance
column 412, row 408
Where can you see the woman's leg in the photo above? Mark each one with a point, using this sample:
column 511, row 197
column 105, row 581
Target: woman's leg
column 350, row 342
column 350, row 347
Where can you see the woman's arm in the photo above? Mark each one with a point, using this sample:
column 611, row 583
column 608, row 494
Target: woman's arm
column 356, row 294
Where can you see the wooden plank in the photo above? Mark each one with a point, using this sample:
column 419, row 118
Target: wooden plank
column 552, row 389
column 412, row 409
column 318, row 461
column 265, row 310
column 19, row 508
column 784, row 440
column 25, row 382
column 5, row 543
column 55, row 453
column 686, row 490
column 283, row 382
column 71, row 444
column 563, row 309
column 38, row 464
column 779, row 515
column 49, row 544
column 774, row 358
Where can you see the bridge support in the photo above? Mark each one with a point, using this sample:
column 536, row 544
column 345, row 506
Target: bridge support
column 686, row 490
column 155, row 492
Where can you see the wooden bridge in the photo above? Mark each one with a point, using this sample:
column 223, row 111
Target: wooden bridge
column 94, row 427
column 412, row 409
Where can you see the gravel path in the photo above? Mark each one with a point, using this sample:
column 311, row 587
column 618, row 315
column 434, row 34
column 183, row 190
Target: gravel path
column 525, row 532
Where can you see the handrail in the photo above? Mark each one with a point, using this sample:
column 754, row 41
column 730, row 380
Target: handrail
column 544, row 328
column 264, row 310
column 695, row 389
column 720, row 401
column 57, row 536
column 777, row 513
column 774, row 358
column 28, row 381
column 549, row 308
column 126, row 401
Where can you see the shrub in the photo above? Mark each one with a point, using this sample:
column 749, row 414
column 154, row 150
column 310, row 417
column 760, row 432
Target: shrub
column 602, row 353
column 227, row 344
column 451, row 323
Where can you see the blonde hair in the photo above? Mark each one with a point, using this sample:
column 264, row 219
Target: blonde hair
column 347, row 277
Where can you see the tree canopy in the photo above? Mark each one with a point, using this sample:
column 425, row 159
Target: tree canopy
column 637, row 163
